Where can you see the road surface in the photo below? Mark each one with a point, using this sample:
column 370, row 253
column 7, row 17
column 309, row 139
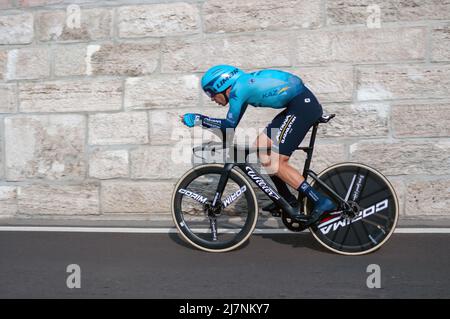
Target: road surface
column 124, row 265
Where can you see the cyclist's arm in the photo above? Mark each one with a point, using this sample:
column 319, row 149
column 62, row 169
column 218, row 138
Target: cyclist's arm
column 234, row 116
column 238, row 105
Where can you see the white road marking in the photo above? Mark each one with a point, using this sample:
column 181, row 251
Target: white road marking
column 174, row 230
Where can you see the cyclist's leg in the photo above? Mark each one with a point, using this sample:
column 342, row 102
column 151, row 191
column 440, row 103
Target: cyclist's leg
column 285, row 133
column 302, row 112
column 264, row 142
column 283, row 189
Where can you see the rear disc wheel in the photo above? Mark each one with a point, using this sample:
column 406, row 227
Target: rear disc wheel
column 370, row 219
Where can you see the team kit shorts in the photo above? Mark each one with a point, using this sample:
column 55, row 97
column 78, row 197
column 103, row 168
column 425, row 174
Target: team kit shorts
column 288, row 129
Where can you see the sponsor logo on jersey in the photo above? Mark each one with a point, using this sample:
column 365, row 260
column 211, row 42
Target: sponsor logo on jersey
column 283, row 90
column 210, row 120
column 285, row 128
column 272, row 92
column 275, row 92
column 215, row 123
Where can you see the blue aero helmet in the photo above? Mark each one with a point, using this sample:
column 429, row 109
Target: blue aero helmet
column 219, row 78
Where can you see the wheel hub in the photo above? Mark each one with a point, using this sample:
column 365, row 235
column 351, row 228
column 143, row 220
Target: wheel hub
column 213, row 211
column 351, row 210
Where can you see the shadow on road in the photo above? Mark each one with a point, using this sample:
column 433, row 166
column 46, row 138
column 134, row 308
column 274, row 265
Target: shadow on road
column 178, row 240
column 294, row 240
column 297, row 241
column 175, row 237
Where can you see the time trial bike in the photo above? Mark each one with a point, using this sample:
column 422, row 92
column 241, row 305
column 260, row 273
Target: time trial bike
column 215, row 208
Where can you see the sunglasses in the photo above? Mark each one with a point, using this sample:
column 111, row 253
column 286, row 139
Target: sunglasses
column 210, row 93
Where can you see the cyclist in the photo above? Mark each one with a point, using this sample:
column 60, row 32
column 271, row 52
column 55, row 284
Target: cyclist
column 300, row 110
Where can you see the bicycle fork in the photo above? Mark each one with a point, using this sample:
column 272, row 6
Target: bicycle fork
column 216, row 204
column 213, row 226
column 214, row 208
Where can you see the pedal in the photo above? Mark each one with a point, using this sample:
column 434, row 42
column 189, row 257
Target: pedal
column 302, row 219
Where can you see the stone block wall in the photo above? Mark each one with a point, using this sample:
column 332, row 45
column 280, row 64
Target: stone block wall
column 91, row 92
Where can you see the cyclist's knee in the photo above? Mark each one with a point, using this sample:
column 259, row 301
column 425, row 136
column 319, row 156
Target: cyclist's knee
column 272, row 165
column 279, row 163
column 279, row 160
column 283, row 159
column 264, row 159
column 263, row 141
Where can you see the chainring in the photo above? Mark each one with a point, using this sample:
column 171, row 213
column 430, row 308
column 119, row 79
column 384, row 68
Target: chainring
column 291, row 224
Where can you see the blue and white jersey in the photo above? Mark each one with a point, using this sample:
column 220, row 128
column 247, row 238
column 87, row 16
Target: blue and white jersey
column 265, row 88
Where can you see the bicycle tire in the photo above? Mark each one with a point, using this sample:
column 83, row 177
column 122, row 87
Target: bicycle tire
column 377, row 218
column 197, row 237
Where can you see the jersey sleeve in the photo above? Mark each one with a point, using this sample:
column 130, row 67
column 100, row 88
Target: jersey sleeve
column 237, row 108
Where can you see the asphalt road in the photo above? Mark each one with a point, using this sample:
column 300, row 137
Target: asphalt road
column 34, row 264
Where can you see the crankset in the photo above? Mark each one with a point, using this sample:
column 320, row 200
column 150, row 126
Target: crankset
column 292, row 224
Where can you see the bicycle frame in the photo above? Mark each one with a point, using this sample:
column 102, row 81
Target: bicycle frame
column 349, row 210
column 264, row 185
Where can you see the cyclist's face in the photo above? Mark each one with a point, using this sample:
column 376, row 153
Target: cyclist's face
column 219, row 99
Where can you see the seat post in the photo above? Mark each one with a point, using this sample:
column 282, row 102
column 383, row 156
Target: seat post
column 309, row 150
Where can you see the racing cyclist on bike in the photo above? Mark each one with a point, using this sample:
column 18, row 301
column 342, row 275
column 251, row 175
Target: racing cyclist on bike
column 300, row 110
